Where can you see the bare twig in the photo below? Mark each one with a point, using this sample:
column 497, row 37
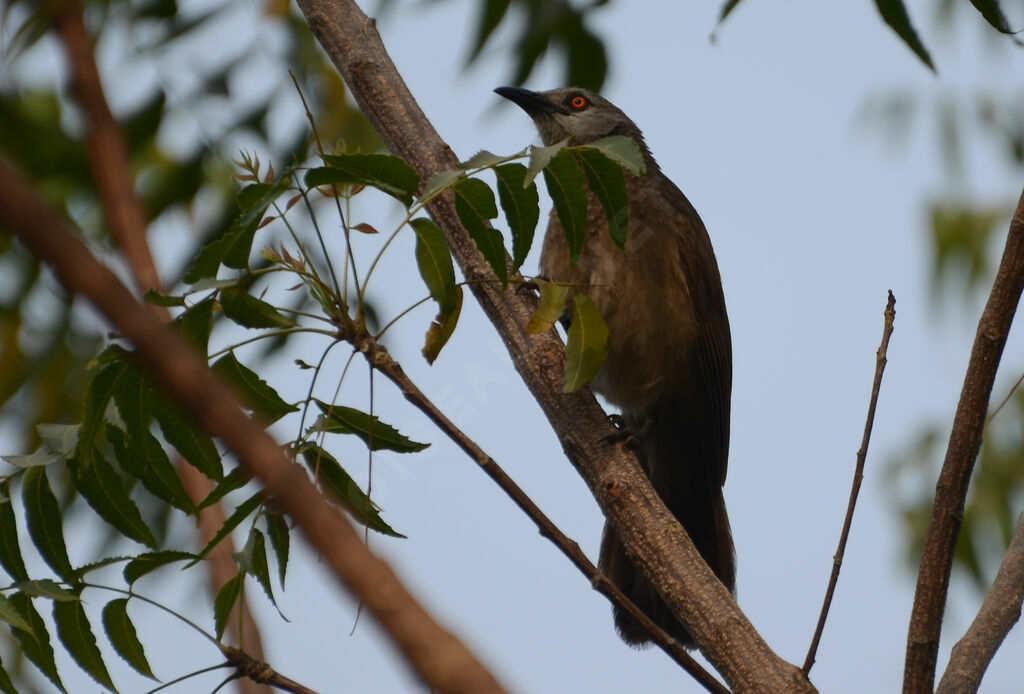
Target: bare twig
column 111, row 168
column 654, row 539
column 257, row 671
column 858, row 476
column 964, row 444
column 999, row 611
column 383, row 362
column 441, row 660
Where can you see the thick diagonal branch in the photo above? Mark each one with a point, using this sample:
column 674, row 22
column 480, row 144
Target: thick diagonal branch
column 442, row 661
column 653, row 538
column 964, row 444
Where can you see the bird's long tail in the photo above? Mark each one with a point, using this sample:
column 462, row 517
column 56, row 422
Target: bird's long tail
column 690, row 485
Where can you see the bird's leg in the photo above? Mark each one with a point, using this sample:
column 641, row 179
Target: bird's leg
column 626, row 434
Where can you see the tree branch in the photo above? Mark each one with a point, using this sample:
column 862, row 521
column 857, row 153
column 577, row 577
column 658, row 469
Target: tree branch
column 999, row 611
column 653, row 538
column 441, row 660
column 964, row 444
column 858, row 476
column 383, row 362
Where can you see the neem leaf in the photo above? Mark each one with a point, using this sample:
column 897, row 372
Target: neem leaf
column 45, row 588
column 75, row 633
column 10, row 614
column 35, row 644
column 44, row 521
column 441, row 328
column 554, row 299
column 895, row 15
column 10, row 550
column 338, row 419
column 386, row 173
column 333, row 478
column 253, row 558
column 993, row 14
column 435, row 263
column 567, row 188
column 540, row 157
column 439, row 182
column 194, row 446
column 474, row 203
column 623, row 150
column 280, row 540
column 154, row 297
column 519, row 201
column 250, row 312
column 608, row 183
column 483, row 160
column 151, row 561
column 588, row 343
column 102, row 487
column 226, row 598
column 253, row 391
column 241, row 512
column 122, row 635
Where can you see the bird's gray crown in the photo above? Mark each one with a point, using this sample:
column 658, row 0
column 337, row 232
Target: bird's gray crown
column 571, row 111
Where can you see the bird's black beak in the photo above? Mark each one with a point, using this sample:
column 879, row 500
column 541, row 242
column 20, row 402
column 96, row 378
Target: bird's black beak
column 533, row 103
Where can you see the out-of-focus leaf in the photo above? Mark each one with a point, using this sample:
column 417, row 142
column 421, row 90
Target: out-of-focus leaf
column 154, row 297
column 441, row 329
column 253, row 391
column 338, row 419
column 475, row 205
column 961, row 237
column 122, row 635
column 587, row 346
column 241, row 512
column 236, row 479
column 45, row 525
column 554, row 299
column 101, row 486
column 519, row 201
column 250, row 312
column 435, row 263
column 386, row 173
column 10, row 549
column 35, row 644
column 993, row 14
column 895, row 15
column 75, row 633
column 608, row 183
column 10, row 614
column 194, row 445
column 195, row 324
column 568, row 190
column 280, row 540
column 727, row 7
column 491, row 14
column 333, row 478
column 253, row 559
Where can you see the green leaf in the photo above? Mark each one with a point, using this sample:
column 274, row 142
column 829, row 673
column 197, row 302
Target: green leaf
column 154, row 297
column 252, row 390
column 608, row 183
column 253, row 560
column 45, row 588
column 993, row 14
column 195, row 325
column 567, row 188
column 102, row 487
column 895, row 15
column 474, row 203
column 519, row 201
column 39, row 458
column 554, row 299
column 540, row 157
column 484, row 160
column 384, row 172
column 727, row 8
column 236, row 479
column 441, row 328
column 250, row 312
column 181, row 432
column 339, row 419
column 233, row 247
column 10, row 614
column 10, row 549
column 439, row 182
column 6, row 685
column 122, row 635
column 44, row 521
column 226, row 598
column 98, row 395
column 280, row 540
column 623, row 150
column 491, row 14
column 241, row 512
column 61, row 438
column 35, row 644
column 151, row 561
column 75, row 633
column 588, row 343
column 435, row 263
column 331, row 477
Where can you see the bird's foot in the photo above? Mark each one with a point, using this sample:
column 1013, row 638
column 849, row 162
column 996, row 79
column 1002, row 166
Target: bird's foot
column 626, row 434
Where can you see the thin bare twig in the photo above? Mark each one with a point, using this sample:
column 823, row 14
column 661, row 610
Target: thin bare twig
column 964, row 444
column 858, row 476
column 441, row 660
column 383, row 362
column 257, row 671
column 999, row 611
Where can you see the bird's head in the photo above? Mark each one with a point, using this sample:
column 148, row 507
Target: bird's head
column 570, row 111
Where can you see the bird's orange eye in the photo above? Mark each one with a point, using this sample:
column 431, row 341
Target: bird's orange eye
column 578, row 102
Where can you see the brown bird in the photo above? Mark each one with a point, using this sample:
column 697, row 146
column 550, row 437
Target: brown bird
column 669, row 365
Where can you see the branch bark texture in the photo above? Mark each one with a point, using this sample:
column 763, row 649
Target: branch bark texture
column 999, row 611
column 442, row 661
column 964, row 444
column 652, row 536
